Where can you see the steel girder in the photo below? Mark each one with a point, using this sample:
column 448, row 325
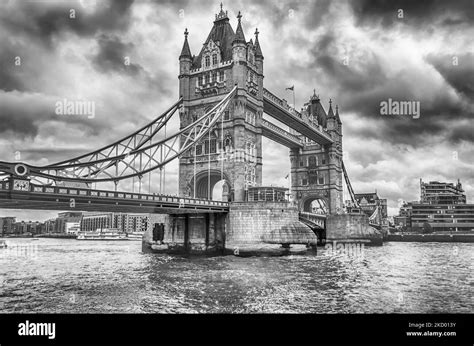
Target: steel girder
column 132, row 156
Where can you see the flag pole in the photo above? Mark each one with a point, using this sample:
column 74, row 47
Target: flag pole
column 294, row 100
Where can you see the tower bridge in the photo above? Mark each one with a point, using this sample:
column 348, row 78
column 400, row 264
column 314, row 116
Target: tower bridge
column 221, row 104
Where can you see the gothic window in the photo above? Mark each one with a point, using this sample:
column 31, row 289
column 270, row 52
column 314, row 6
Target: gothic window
column 209, row 78
column 313, row 178
column 312, row 161
column 304, row 181
column 228, row 143
column 301, row 163
column 213, row 145
column 201, row 80
column 221, row 76
column 321, row 180
column 226, row 115
column 208, row 61
column 199, row 149
column 251, row 77
column 214, row 59
column 214, row 76
column 324, row 159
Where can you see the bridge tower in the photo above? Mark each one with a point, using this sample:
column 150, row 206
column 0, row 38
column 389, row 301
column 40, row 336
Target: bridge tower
column 233, row 150
column 316, row 170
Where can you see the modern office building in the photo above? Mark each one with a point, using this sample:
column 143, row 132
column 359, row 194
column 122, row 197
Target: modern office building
column 436, row 192
column 64, row 218
column 124, row 222
column 442, row 207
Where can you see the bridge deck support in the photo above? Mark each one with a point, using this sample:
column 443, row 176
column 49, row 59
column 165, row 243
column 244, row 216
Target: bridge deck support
column 352, row 228
column 192, row 233
column 267, row 228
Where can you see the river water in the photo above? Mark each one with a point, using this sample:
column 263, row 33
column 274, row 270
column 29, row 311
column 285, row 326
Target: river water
column 71, row 276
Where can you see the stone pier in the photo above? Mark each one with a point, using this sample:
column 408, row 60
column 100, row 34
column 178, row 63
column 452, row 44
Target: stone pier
column 352, row 228
column 267, row 228
column 194, row 233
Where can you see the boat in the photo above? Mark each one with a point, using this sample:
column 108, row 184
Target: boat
column 3, row 244
column 135, row 235
column 102, row 234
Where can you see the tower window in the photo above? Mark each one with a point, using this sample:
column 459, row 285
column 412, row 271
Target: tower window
column 209, row 78
column 221, row 76
column 213, row 145
column 208, row 61
column 214, row 59
column 321, row 180
column 214, row 76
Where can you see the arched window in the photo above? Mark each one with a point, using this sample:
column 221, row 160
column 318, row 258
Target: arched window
column 208, row 61
column 214, row 59
column 209, row 78
column 221, row 76
column 312, row 161
column 214, row 76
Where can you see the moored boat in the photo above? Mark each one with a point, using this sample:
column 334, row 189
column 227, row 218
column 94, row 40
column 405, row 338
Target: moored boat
column 102, row 234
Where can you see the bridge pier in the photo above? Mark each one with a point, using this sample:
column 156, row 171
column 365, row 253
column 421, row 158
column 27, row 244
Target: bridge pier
column 190, row 233
column 267, row 228
column 352, row 228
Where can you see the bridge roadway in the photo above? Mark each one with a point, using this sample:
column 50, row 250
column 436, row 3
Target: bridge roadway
column 68, row 198
column 315, row 221
column 276, row 108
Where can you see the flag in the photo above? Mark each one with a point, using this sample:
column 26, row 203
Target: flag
column 287, row 176
column 291, row 88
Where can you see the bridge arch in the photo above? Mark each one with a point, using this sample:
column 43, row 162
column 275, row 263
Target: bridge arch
column 202, row 184
column 314, row 204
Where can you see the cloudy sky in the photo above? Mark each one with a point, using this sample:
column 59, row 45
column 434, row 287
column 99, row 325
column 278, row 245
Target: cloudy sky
column 359, row 53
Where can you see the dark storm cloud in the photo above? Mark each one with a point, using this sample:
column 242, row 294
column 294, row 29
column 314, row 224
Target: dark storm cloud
column 416, row 13
column 45, row 20
column 10, row 75
column 458, row 71
column 113, row 55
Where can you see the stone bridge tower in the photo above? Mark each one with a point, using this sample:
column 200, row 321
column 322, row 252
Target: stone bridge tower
column 316, row 170
column 233, row 151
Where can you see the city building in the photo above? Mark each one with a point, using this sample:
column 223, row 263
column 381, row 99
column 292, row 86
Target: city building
column 72, row 227
column 436, row 192
column 372, row 205
column 442, row 217
column 403, row 219
column 124, row 222
column 7, row 225
column 65, row 217
column 442, row 207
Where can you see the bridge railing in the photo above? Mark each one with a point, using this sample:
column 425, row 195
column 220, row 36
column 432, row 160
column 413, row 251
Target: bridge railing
column 312, row 215
column 69, row 191
column 316, row 219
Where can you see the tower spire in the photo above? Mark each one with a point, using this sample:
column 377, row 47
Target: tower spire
column 239, row 33
column 330, row 112
column 185, row 52
column 221, row 15
column 337, row 115
column 258, row 50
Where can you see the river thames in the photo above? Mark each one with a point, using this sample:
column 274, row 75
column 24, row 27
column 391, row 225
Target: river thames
column 71, row 276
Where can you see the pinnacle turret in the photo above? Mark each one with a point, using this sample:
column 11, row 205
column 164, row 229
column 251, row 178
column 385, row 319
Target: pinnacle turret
column 185, row 52
column 239, row 33
column 258, row 50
